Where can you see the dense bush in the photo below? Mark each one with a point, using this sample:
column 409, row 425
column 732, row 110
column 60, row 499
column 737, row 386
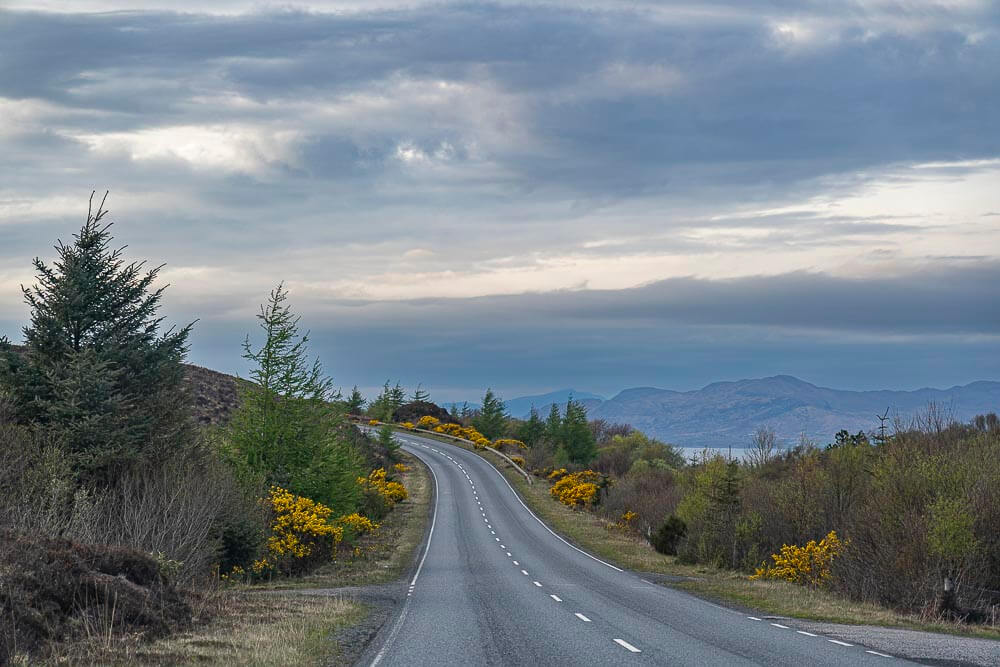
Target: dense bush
column 665, row 539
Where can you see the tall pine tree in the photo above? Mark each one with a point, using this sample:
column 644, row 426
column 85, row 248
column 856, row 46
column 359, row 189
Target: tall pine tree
column 285, row 431
column 577, row 439
column 492, row 419
column 98, row 377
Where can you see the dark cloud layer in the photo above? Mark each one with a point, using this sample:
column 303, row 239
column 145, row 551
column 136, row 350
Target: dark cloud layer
column 343, row 150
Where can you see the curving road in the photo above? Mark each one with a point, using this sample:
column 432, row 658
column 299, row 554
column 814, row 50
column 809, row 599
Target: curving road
column 495, row 586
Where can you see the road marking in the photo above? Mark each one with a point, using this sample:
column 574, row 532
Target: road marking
column 406, row 605
column 884, row 655
column 552, row 532
column 486, row 522
column 491, row 528
column 556, row 598
column 493, row 532
column 537, row 584
column 498, row 539
column 807, row 634
column 524, row 572
column 516, row 563
column 503, row 547
column 753, row 618
column 779, row 625
column 582, row 617
column 837, row 641
column 627, row 646
column 508, row 553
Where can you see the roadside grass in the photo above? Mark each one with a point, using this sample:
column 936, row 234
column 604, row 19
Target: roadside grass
column 601, row 538
column 231, row 629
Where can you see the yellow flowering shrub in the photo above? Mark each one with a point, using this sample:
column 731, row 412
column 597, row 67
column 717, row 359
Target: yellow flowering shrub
column 576, row 489
column 401, row 468
column 464, row 432
column 373, row 422
column 357, row 524
column 428, row 422
column 808, row 565
column 393, row 492
column 407, row 425
column 519, row 460
column 301, row 532
column 508, row 442
column 625, row 522
column 556, row 474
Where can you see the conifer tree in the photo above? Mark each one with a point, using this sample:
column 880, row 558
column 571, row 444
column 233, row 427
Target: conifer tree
column 532, row 430
column 577, row 438
column 419, row 395
column 355, row 402
column 492, row 417
column 98, row 377
column 553, row 426
column 285, row 431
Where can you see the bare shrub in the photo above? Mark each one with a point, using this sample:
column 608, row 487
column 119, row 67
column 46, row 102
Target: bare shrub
column 650, row 492
column 762, row 447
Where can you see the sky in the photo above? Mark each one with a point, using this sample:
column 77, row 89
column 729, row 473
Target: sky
column 597, row 194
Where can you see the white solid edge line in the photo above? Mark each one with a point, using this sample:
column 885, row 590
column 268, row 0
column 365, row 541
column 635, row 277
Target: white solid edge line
column 554, row 534
column 582, row 617
column 837, row 641
column 406, row 604
column 627, row 646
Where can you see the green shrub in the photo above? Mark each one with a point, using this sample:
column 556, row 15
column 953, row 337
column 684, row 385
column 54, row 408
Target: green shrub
column 666, row 539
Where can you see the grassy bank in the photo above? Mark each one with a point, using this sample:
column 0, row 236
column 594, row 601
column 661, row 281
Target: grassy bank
column 775, row 598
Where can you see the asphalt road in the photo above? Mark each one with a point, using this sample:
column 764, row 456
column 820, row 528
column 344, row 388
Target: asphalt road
column 496, row 587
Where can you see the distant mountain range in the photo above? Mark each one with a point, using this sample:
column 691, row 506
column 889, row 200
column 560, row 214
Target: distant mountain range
column 726, row 413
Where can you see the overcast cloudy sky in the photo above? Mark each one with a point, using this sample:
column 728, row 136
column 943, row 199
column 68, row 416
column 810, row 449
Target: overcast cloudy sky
column 587, row 193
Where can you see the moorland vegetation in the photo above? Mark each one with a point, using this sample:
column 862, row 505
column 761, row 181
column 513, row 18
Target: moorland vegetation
column 118, row 510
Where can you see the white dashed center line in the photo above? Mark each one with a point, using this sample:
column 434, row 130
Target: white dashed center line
column 883, row 655
column 627, row 646
column 516, row 563
column 837, row 641
column 582, row 617
column 753, row 618
column 524, row 572
column 537, row 584
column 807, row 634
column 779, row 625
column 556, row 598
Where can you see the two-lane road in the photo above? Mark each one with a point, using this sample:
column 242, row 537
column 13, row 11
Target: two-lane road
column 496, row 586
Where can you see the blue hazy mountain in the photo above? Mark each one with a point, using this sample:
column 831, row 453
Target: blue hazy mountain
column 726, row 413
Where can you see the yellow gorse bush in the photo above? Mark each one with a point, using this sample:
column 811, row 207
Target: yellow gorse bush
column 428, row 422
column 465, row 432
column 299, row 524
column 519, row 460
column 376, row 481
column 808, row 565
column 576, row 489
column 407, row 425
column 401, row 468
column 509, row 442
column 373, row 422
column 557, row 473
column 357, row 523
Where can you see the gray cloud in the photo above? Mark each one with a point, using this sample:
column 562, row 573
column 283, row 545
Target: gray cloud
column 324, row 147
